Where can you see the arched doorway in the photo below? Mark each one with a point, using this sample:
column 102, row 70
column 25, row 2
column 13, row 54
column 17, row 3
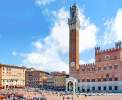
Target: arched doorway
column 70, row 86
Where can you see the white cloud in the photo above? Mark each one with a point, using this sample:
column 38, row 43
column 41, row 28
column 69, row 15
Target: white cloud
column 47, row 59
column 14, row 53
column 37, row 45
column 92, row 60
column 86, row 62
column 113, row 31
column 60, row 31
column 43, row 2
column 117, row 25
column 87, row 33
column 82, row 62
column 54, row 48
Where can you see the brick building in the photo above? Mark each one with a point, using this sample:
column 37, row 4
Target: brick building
column 35, row 78
column 103, row 75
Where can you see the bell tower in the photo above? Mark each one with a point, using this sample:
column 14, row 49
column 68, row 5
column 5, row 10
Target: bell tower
column 74, row 26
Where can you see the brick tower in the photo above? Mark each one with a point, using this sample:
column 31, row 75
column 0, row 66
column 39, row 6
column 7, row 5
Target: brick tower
column 74, row 26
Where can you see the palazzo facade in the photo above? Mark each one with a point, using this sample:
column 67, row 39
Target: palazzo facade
column 12, row 76
column 105, row 75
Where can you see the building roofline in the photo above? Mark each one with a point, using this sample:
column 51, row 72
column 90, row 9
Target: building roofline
column 13, row 66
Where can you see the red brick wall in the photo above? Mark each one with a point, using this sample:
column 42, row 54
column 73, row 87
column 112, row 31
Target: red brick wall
column 92, row 70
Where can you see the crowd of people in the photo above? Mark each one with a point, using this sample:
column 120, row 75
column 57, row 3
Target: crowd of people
column 33, row 94
column 37, row 94
column 20, row 94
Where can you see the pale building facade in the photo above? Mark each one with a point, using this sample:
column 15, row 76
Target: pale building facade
column 12, row 76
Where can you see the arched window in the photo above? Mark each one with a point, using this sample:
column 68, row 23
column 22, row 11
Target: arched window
column 107, row 57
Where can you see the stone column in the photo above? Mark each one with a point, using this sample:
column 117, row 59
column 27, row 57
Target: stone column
column 66, row 87
column 74, row 87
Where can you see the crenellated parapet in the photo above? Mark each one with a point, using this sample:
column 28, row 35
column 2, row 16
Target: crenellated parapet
column 118, row 46
column 85, row 68
column 87, row 65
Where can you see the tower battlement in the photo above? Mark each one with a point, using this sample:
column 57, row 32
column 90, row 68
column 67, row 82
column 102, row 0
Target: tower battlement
column 118, row 46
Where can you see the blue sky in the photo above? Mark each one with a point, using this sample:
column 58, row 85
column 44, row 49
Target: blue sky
column 34, row 33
